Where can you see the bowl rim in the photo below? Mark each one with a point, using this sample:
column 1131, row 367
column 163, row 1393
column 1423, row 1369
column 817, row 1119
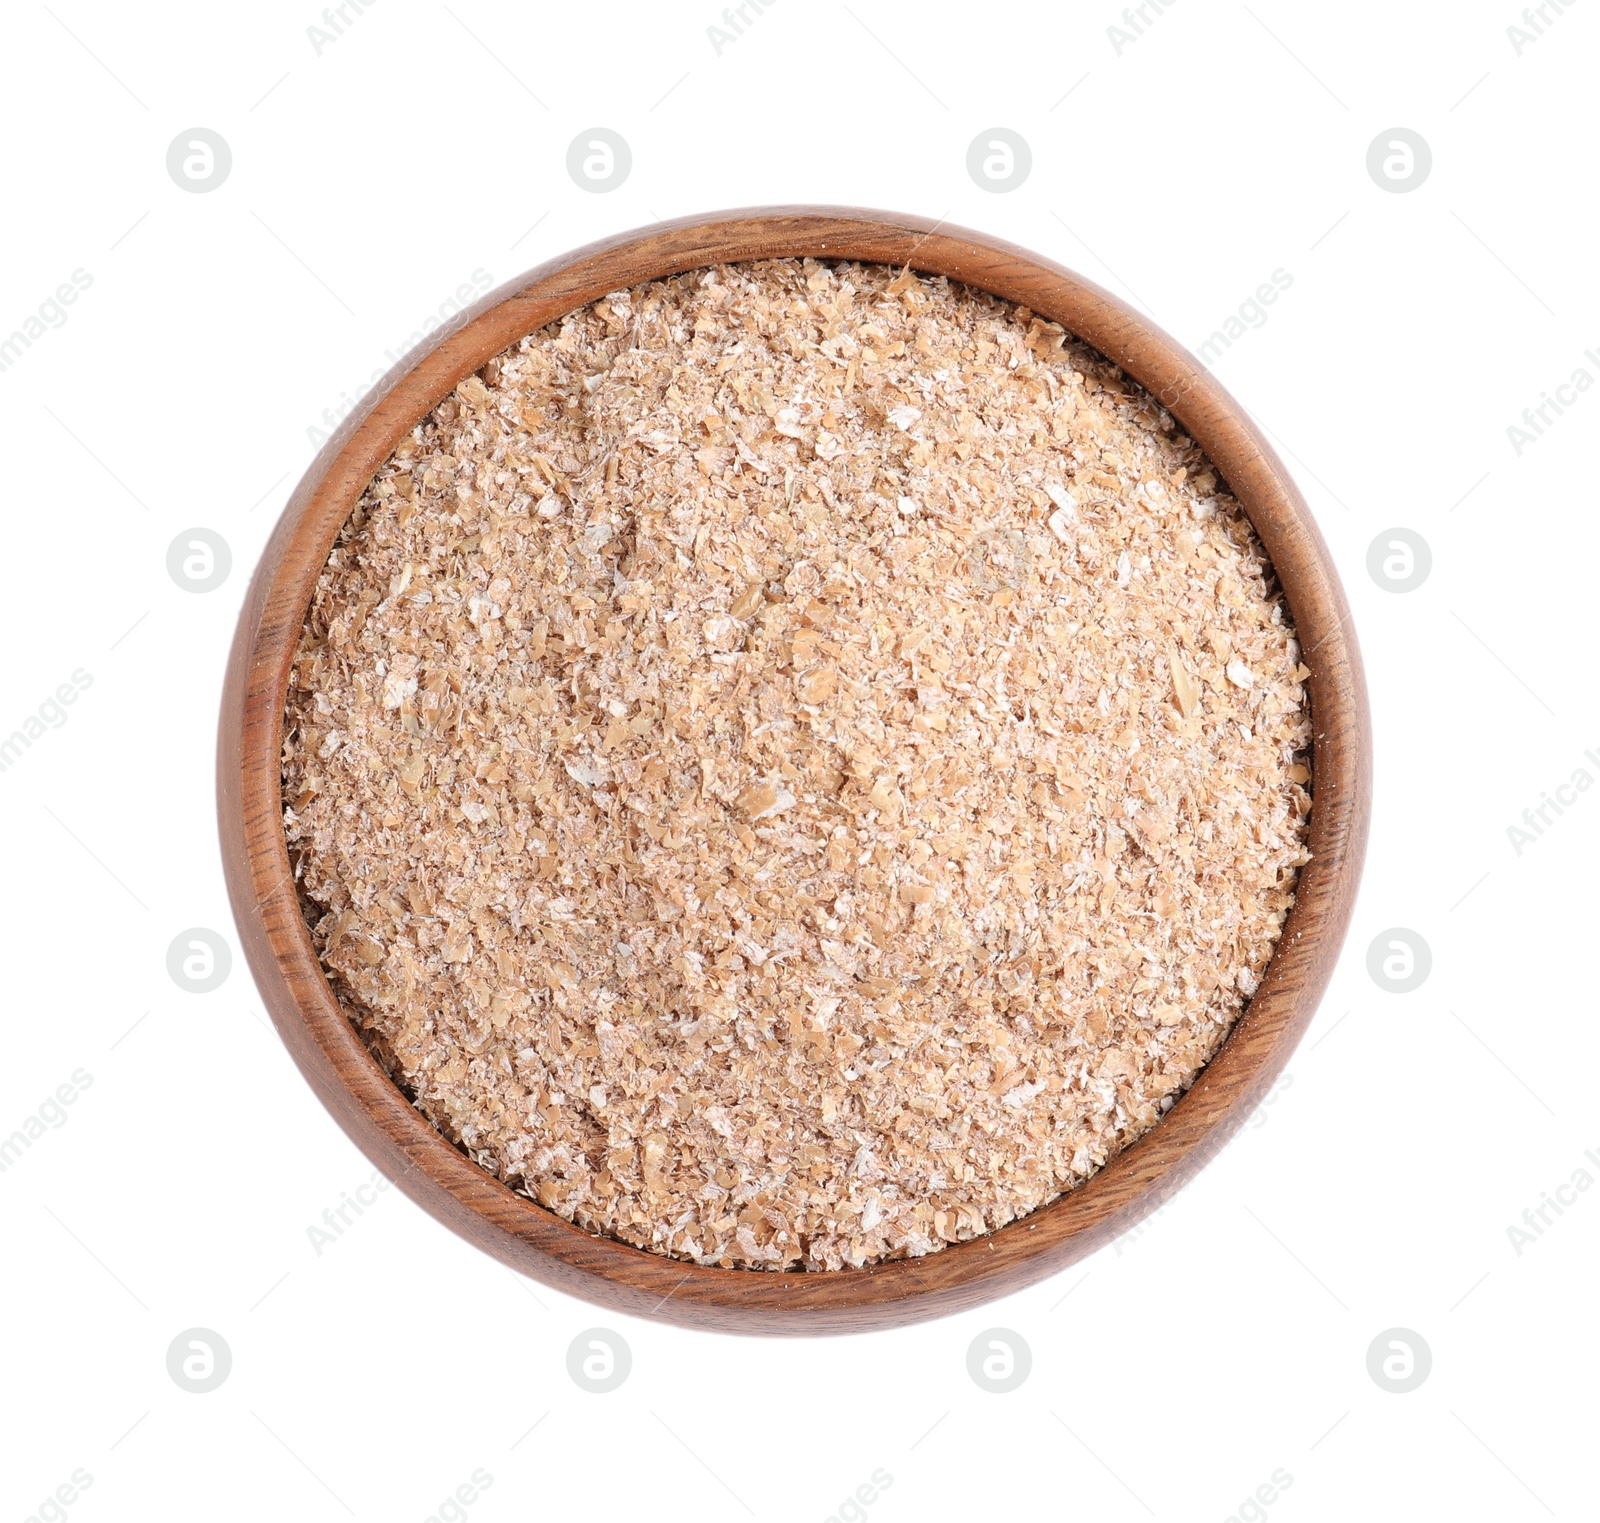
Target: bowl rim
column 524, row 1235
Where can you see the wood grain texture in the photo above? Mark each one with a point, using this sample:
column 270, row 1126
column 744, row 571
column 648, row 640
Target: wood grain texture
column 524, row 1235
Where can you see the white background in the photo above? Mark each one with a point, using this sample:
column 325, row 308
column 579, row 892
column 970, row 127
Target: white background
column 1172, row 1374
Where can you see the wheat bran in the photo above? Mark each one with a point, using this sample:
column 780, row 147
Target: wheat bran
column 796, row 764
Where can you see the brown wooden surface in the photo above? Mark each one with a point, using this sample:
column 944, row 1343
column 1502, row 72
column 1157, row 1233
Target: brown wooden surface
column 522, row 1234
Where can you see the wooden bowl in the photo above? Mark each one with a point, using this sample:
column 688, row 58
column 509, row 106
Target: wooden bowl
column 535, row 1241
